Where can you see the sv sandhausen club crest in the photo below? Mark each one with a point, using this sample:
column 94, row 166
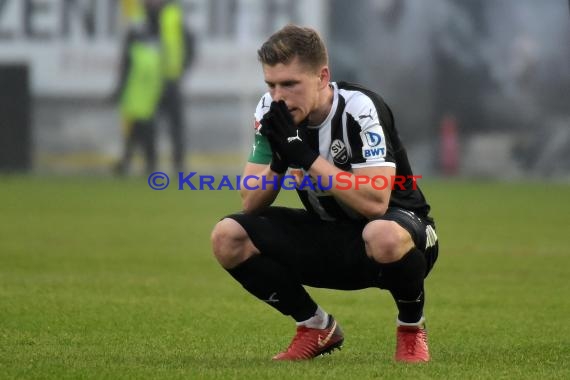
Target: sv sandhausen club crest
column 339, row 152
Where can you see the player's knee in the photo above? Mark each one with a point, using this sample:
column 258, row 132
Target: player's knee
column 386, row 241
column 229, row 243
column 224, row 236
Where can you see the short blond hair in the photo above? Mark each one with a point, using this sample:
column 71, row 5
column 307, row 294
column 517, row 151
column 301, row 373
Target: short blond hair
column 294, row 41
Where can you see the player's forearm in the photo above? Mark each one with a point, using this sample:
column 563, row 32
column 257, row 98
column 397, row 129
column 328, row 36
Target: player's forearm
column 362, row 201
column 256, row 200
column 361, row 197
column 258, row 191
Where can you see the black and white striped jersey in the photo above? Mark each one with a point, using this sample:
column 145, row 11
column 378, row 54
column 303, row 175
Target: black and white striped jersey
column 358, row 132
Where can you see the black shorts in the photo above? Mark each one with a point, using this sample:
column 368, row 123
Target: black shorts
column 326, row 254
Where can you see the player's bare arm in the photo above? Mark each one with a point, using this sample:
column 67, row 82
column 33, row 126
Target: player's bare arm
column 365, row 199
column 257, row 195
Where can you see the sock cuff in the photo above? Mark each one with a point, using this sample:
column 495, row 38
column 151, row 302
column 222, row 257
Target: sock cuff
column 421, row 322
column 319, row 320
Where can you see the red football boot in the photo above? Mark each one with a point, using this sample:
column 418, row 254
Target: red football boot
column 411, row 344
column 309, row 343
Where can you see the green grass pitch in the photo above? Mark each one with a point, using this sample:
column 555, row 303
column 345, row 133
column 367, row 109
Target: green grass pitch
column 105, row 278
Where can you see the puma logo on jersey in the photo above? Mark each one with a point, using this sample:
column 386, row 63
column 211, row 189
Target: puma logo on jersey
column 366, row 116
column 289, row 139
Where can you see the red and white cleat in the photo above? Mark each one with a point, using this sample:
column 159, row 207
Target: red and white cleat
column 309, row 343
column 411, row 344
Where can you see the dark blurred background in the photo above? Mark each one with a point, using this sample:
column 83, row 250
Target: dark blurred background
column 479, row 88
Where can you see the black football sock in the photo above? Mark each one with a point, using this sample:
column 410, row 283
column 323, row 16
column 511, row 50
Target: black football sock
column 275, row 285
column 405, row 281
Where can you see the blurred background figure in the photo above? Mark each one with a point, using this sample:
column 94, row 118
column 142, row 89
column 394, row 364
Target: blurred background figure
column 139, row 87
column 481, row 87
column 177, row 48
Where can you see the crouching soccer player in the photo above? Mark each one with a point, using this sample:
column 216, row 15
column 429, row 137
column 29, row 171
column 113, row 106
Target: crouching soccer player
column 346, row 238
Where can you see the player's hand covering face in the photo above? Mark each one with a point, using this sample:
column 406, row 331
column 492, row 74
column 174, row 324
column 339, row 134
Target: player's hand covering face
column 279, row 163
column 279, row 128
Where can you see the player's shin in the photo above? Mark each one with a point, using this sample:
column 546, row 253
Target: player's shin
column 275, row 285
column 405, row 281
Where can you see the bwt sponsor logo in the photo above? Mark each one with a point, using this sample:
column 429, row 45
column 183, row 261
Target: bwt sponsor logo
column 341, row 181
column 373, row 140
column 374, row 152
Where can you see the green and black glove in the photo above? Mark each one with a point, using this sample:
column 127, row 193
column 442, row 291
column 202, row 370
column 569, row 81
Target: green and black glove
column 282, row 132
